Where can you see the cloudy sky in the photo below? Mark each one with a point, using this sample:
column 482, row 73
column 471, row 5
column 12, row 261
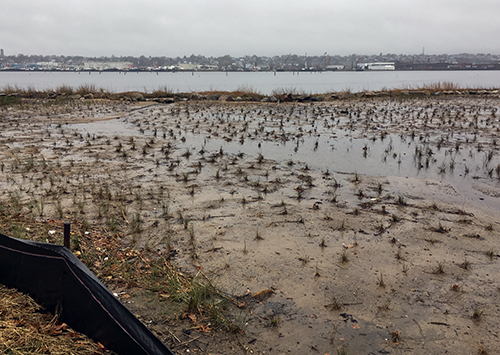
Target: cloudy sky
column 272, row 27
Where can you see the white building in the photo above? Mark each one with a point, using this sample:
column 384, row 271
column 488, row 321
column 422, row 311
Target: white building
column 334, row 67
column 377, row 66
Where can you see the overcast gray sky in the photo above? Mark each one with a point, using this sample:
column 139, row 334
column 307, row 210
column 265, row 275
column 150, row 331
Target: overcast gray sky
column 272, row 27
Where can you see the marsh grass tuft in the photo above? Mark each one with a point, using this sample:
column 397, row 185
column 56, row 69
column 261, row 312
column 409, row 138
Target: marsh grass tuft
column 304, row 259
column 356, row 178
column 343, row 257
column 406, row 268
column 258, row 236
column 478, row 314
column 491, row 253
column 439, row 268
column 316, row 271
column 401, row 200
column 136, row 224
column 342, row 350
column 385, row 307
column 481, row 350
column 440, row 228
column 380, row 281
column 465, row 265
column 399, row 255
column 335, row 304
column 274, row 321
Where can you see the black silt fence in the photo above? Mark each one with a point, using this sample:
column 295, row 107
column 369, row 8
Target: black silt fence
column 53, row 276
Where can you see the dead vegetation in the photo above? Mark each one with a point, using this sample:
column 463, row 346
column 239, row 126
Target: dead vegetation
column 27, row 328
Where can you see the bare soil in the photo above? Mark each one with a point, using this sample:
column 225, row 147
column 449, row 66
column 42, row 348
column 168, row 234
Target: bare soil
column 313, row 260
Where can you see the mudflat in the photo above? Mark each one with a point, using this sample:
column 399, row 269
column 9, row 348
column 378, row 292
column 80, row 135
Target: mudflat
column 357, row 226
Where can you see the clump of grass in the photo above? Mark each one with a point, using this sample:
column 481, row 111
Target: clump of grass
column 440, row 228
column 112, row 224
column 477, row 315
column 258, row 236
column 440, row 86
column 343, row 257
column 17, row 231
column 305, row 259
column 316, row 271
column 380, row 282
column 385, row 307
column 185, row 222
column 335, row 304
column 399, row 255
column 406, row 268
column 7, row 100
column 191, row 235
column 274, row 321
column 342, row 350
column 285, row 211
column 482, row 350
column 491, row 253
column 465, row 265
column 434, row 207
column 439, row 268
column 401, row 200
column 283, row 92
column 136, row 224
column 85, row 226
column 356, row 178
column 198, row 297
column 342, row 226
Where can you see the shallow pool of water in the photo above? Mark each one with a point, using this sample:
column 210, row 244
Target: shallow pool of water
column 472, row 172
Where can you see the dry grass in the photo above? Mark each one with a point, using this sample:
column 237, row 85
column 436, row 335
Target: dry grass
column 105, row 255
column 27, row 329
column 278, row 92
column 440, row 86
column 246, row 93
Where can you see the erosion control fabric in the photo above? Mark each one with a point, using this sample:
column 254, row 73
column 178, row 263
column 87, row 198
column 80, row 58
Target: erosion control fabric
column 54, row 277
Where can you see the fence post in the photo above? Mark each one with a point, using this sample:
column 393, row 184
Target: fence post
column 67, row 233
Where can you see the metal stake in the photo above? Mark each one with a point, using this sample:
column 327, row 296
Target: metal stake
column 67, row 230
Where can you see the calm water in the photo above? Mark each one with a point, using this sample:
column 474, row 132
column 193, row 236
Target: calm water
column 262, row 82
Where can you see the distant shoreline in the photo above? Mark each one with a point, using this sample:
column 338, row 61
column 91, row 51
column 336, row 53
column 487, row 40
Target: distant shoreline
column 494, row 67
column 89, row 92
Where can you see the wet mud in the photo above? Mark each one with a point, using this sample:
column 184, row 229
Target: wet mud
column 372, row 223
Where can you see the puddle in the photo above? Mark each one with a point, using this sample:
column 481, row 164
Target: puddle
column 109, row 127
